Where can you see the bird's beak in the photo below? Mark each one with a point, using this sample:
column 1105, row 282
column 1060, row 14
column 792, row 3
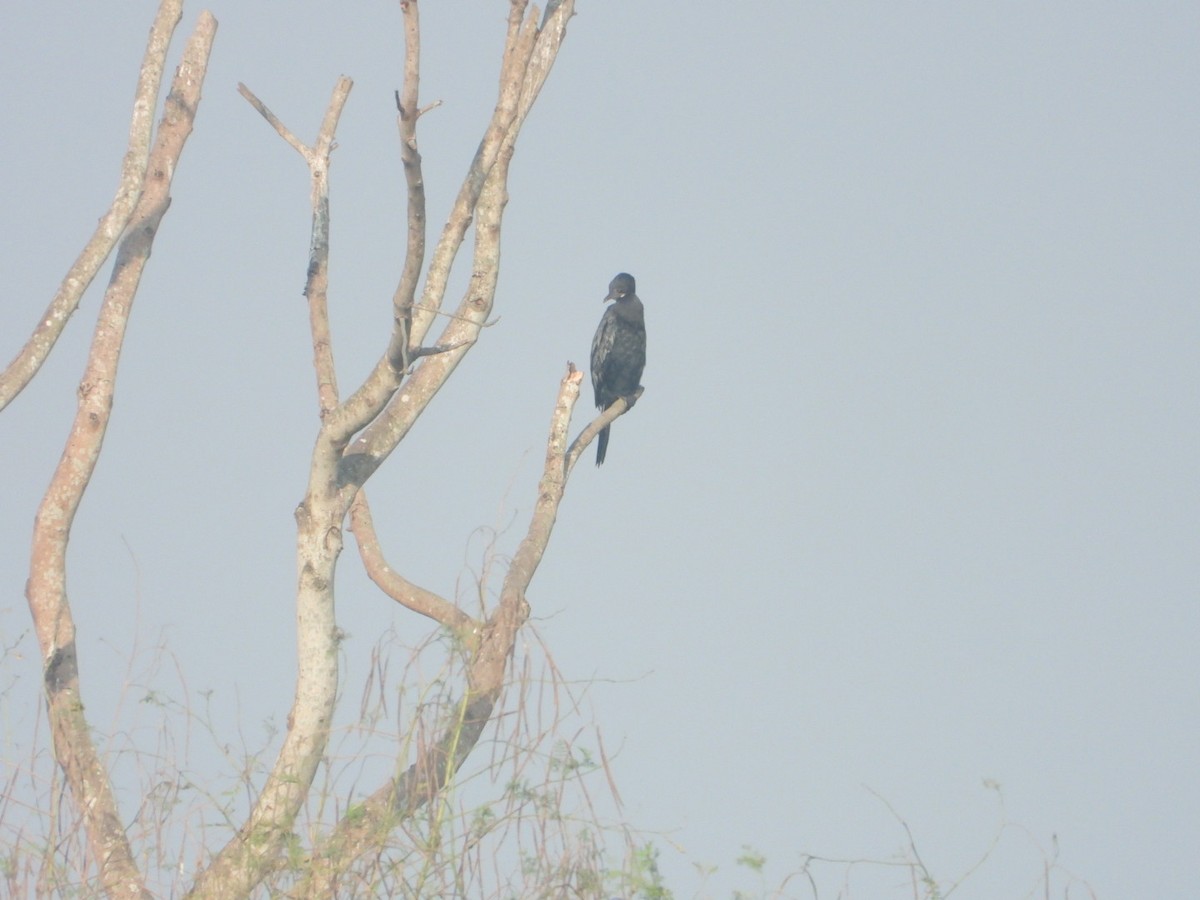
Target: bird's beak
column 612, row 295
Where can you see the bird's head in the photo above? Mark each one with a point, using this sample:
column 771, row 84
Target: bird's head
column 621, row 286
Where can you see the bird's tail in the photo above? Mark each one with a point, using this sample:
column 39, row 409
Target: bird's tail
column 601, row 445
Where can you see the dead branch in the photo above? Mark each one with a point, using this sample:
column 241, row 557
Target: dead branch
column 593, row 428
column 112, row 224
column 529, row 55
column 46, row 588
column 316, row 287
column 437, row 763
column 338, row 471
column 246, row 858
column 400, row 589
column 406, row 122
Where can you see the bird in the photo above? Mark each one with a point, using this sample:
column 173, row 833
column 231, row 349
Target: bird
column 618, row 350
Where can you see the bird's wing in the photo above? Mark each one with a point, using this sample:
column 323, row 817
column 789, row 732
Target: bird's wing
column 601, row 346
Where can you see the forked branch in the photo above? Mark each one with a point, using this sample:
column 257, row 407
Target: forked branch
column 529, row 55
column 112, row 224
column 316, row 287
column 46, row 588
column 340, row 468
column 437, row 763
column 245, row 860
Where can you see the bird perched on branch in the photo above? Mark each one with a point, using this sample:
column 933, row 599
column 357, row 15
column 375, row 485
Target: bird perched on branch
column 618, row 350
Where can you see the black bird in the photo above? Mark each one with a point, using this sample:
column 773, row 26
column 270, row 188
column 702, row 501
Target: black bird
column 618, row 350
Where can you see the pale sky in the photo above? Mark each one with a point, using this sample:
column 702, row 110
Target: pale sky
column 910, row 501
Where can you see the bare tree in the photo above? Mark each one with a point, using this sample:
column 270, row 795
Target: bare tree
column 357, row 432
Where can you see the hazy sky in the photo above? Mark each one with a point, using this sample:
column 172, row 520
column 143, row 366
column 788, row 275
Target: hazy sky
column 910, row 502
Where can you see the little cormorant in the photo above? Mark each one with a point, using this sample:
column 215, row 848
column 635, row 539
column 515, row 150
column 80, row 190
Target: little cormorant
column 618, row 350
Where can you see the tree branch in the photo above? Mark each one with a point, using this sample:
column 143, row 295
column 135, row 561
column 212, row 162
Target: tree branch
column 46, row 588
column 436, row 764
column 112, row 224
column 316, row 287
column 621, row 406
column 414, row 253
column 284, row 132
column 529, row 55
column 338, row 472
column 246, row 859
column 397, row 586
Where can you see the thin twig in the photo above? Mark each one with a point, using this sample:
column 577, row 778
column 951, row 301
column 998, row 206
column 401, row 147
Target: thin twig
column 284, row 132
